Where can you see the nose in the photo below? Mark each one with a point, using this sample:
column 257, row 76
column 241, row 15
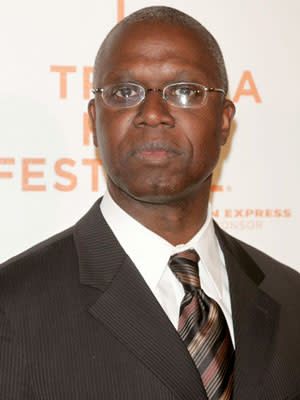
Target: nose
column 154, row 111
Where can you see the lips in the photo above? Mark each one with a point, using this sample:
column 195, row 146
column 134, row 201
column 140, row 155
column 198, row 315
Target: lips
column 155, row 151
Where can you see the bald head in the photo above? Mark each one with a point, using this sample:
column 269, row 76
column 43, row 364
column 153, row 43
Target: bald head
column 166, row 15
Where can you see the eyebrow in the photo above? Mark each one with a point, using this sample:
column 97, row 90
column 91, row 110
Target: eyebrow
column 123, row 75
column 126, row 75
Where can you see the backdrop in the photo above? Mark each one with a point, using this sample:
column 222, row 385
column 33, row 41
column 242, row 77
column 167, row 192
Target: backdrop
column 49, row 175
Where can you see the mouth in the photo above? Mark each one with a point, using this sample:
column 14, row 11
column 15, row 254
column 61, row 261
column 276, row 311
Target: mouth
column 155, row 151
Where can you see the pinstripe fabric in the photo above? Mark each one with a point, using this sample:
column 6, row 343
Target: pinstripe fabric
column 103, row 335
column 203, row 329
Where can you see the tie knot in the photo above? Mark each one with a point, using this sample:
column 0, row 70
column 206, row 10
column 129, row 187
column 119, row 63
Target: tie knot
column 185, row 267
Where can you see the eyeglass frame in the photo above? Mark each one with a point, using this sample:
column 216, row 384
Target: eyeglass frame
column 205, row 88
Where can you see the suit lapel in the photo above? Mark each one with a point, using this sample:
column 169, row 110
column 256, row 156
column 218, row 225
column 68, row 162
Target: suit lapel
column 255, row 316
column 127, row 307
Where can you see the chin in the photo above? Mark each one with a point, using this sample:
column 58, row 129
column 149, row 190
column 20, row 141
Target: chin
column 158, row 193
column 159, row 189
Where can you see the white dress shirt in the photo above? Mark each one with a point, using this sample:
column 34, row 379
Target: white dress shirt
column 150, row 254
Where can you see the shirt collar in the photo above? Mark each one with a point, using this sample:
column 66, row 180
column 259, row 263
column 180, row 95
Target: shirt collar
column 150, row 252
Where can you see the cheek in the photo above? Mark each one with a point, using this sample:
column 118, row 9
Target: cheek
column 111, row 131
column 203, row 130
column 203, row 134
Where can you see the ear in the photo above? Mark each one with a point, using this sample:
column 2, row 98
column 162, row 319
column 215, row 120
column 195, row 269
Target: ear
column 227, row 117
column 92, row 116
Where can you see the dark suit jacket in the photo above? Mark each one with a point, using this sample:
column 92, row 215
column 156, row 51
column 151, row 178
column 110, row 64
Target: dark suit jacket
column 78, row 322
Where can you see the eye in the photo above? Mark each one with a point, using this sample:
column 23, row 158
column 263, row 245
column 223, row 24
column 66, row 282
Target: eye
column 125, row 92
column 185, row 94
column 184, row 91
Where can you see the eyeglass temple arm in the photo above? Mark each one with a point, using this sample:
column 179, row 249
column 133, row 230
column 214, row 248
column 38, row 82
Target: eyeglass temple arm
column 215, row 90
column 97, row 90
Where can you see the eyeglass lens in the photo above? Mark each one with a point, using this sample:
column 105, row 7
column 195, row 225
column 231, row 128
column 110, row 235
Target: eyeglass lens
column 184, row 94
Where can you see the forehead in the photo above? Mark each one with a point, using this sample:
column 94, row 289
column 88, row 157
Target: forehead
column 160, row 51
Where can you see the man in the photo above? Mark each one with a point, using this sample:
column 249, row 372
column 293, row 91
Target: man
column 113, row 308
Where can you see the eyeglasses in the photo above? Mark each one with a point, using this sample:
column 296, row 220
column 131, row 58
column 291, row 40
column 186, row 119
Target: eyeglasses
column 180, row 94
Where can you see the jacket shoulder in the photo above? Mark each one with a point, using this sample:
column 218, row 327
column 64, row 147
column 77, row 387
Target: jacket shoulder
column 277, row 279
column 268, row 264
column 47, row 259
column 39, row 249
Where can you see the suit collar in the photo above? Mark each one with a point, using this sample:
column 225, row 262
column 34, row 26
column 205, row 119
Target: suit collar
column 233, row 248
column 255, row 318
column 127, row 307
column 100, row 256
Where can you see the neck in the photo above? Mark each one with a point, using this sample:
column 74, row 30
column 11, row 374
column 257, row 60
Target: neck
column 177, row 221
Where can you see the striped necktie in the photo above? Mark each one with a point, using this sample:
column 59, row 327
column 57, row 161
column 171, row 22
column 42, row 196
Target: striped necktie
column 203, row 329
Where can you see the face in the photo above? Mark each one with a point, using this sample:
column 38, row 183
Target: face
column 155, row 152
